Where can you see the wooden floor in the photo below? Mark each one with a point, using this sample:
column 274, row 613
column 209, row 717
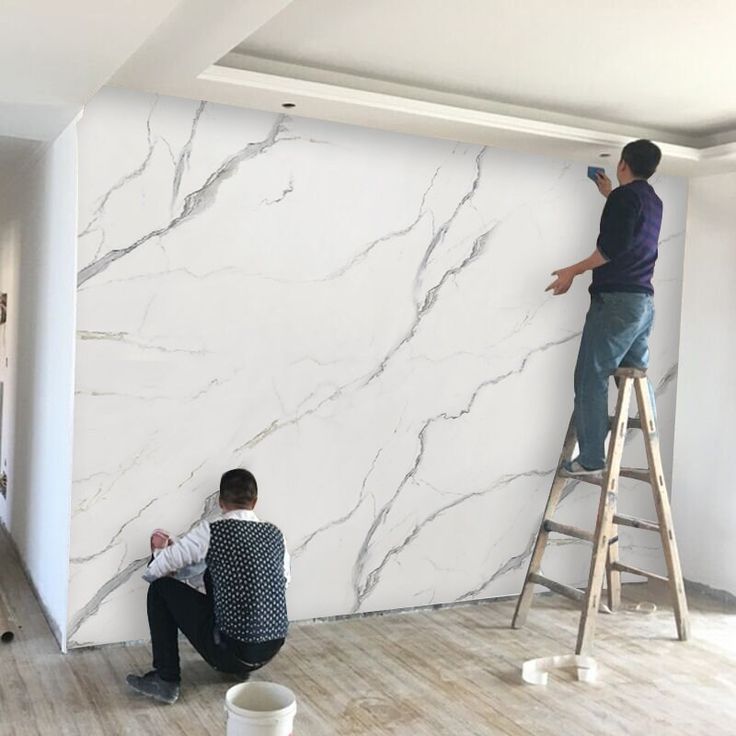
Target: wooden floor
column 449, row 672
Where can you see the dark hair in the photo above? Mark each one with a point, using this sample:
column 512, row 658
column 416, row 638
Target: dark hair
column 642, row 156
column 238, row 488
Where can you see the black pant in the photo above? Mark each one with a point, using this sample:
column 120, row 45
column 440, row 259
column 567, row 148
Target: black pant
column 174, row 606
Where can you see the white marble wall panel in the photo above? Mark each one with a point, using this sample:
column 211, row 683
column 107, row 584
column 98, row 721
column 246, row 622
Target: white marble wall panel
column 357, row 316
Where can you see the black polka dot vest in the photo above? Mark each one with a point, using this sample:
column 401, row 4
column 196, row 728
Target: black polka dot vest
column 246, row 564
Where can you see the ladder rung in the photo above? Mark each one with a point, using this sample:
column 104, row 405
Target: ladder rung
column 569, row 531
column 633, row 423
column 596, row 480
column 641, row 474
column 567, row 590
column 638, row 571
column 650, row 526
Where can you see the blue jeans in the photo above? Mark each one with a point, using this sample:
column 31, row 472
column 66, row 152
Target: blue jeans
column 616, row 334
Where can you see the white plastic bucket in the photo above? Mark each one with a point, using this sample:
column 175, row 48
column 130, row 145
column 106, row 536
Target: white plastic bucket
column 260, row 709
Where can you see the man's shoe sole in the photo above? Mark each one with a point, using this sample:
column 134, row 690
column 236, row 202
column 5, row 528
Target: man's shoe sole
column 581, row 473
column 131, row 680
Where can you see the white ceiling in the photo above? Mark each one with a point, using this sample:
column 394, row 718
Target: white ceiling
column 661, row 65
column 572, row 78
column 55, row 55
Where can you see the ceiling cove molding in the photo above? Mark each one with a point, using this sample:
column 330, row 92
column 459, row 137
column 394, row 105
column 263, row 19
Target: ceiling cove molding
column 410, row 114
column 250, row 63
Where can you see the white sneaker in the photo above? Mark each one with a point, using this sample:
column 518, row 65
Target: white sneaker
column 573, row 469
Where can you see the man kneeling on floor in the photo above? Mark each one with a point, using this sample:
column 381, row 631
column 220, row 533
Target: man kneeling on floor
column 240, row 623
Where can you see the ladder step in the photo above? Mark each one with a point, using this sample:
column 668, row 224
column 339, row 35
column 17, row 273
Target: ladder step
column 633, row 423
column 641, row 474
column 622, row 520
column 569, row 531
column 596, row 480
column 638, row 571
column 567, row 590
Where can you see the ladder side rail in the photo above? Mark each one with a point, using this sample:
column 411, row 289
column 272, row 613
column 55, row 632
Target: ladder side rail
column 524, row 602
column 664, row 512
column 604, row 522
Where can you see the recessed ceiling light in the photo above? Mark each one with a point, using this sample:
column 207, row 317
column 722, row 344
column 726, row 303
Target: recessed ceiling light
column 288, row 105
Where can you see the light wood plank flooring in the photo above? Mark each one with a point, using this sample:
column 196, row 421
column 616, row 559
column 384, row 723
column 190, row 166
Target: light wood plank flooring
column 448, row 672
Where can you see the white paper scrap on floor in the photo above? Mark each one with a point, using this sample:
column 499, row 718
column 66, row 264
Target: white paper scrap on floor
column 534, row 671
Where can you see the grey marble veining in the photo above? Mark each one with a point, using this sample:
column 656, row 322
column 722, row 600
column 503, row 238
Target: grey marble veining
column 194, row 202
column 358, row 317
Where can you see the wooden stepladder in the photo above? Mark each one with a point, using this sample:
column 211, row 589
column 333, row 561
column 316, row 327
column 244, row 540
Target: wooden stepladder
column 605, row 558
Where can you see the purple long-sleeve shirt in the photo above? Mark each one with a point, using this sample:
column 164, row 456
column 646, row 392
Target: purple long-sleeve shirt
column 628, row 239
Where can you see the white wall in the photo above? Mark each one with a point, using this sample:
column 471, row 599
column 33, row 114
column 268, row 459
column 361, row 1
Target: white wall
column 704, row 488
column 357, row 316
column 38, row 225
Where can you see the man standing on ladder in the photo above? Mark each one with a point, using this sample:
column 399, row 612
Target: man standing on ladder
column 619, row 321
